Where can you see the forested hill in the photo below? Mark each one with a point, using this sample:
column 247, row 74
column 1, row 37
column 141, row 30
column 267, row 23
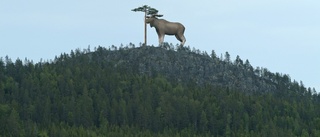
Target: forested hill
column 152, row 91
column 194, row 67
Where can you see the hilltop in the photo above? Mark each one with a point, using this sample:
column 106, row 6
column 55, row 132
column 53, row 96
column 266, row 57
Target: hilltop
column 152, row 91
column 188, row 66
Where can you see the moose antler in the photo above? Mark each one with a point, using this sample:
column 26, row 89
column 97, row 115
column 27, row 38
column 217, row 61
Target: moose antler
column 154, row 15
column 157, row 15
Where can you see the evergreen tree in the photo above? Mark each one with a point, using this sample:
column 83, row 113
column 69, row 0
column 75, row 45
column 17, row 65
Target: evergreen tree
column 227, row 57
column 147, row 11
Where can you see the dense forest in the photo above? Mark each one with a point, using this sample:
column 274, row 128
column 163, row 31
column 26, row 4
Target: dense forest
column 152, row 91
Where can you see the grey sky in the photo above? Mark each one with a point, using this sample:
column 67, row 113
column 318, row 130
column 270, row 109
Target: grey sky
column 282, row 36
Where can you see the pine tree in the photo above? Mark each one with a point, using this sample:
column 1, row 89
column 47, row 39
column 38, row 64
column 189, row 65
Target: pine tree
column 13, row 124
column 147, row 11
column 227, row 57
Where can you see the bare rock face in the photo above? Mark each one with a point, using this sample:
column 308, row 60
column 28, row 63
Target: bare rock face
column 186, row 66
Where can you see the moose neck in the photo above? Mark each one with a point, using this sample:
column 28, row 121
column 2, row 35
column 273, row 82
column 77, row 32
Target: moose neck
column 155, row 23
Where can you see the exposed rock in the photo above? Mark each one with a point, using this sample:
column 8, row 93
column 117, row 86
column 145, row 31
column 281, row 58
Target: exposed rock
column 187, row 66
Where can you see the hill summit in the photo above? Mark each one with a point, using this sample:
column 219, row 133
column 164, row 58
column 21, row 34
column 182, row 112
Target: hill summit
column 195, row 67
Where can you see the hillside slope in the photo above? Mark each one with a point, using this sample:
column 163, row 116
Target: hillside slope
column 151, row 91
column 194, row 67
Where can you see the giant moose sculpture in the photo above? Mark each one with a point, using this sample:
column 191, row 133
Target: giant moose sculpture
column 164, row 27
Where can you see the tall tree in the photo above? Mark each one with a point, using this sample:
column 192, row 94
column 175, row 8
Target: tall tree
column 147, row 11
column 227, row 57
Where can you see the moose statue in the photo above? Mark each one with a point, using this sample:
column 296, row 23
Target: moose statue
column 164, row 27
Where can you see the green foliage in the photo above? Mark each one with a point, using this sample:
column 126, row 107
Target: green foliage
column 147, row 9
column 151, row 91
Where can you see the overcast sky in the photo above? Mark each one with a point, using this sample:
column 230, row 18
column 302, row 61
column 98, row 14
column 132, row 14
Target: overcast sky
column 283, row 36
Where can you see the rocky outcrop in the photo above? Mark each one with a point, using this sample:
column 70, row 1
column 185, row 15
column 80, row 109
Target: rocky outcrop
column 186, row 66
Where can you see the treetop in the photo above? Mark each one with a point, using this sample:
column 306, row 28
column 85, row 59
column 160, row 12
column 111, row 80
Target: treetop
column 149, row 10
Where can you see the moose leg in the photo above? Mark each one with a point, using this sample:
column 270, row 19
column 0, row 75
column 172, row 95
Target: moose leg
column 178, row 38
column 161, row 38
column 181, row 38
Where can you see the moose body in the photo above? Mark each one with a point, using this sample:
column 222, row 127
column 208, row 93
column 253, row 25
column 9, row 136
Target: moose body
column 164, row 27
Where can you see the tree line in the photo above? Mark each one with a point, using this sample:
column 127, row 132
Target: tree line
column 90, row 93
